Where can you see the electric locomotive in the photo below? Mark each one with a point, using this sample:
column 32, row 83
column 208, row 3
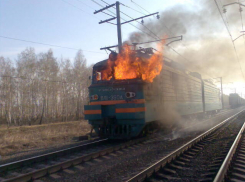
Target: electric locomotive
column 120, row 109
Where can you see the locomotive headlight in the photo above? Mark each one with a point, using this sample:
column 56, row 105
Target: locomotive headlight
column 130, row 94
column 94, row 97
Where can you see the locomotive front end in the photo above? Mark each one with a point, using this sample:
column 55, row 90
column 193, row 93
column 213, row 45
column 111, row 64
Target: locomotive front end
column 117, row 105
column 116, row 110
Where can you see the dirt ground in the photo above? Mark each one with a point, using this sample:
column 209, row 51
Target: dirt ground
column 19, row 139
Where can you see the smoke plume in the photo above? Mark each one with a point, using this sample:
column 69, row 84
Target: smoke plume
column 206, row 46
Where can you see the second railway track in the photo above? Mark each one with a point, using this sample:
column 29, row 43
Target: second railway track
column 199, row 159
column 36, row 167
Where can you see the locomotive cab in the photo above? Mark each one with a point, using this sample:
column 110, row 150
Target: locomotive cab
column 117, row 107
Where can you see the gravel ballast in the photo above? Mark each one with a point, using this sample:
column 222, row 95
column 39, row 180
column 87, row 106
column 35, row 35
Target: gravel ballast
column 124, row 164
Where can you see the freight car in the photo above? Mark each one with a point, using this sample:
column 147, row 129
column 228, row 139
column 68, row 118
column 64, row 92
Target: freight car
column 121, row 109
column 235, row 100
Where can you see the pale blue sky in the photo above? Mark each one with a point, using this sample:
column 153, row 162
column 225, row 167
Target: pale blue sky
column 59, row 23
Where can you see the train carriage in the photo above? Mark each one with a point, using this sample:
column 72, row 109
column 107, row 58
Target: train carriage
column 212, row 98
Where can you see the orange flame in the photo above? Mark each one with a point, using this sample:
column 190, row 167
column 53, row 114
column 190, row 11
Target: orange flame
column 128, row 66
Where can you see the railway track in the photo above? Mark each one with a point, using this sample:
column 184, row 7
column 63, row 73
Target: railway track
column 192, row 161
column 48, row 164
column 232, row 169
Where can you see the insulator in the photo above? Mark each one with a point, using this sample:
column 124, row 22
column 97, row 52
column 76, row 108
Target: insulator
column 142, row 21
column 158, row 16
column 224, row 10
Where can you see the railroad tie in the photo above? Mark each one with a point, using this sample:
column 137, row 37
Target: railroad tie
column 235, row 180
column 106, row 157
column 184, row 159
column 54, row 176
column 239, row 170
column 206, row 180
column 97, row 160
column 240, row 161
column 112, row 154
column 68, row 171
column 166, row 170
column 208, row 175
column 238, row 176
column 165, row 176
column 239, row 165
column 173, row 166
column 179, row 163
column 79, row 167
column 120, row 152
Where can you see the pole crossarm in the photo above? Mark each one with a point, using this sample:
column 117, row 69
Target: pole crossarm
column 237, row 37
column 159, row 40
column 139, row 18
column 104, row 8
column 174, row 41
column 104, row 21
column 108, row 47
column 233, row 3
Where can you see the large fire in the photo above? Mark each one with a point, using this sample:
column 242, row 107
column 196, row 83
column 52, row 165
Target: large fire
column 127, row 65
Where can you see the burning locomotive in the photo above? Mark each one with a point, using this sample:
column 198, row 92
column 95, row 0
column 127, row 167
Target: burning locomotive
column 133, row 90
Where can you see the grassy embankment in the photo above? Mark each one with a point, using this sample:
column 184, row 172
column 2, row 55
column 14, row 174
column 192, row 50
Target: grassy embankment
column 17, row 139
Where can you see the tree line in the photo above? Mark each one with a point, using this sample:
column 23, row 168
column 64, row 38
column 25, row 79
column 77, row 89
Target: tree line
column 39, row 88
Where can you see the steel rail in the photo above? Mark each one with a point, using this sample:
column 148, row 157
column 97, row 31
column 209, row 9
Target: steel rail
column 167, row 159
column 228, row 159
column 33, row 175
column 48, row 156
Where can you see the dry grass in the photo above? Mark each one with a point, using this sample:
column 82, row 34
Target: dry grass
column 17, row 139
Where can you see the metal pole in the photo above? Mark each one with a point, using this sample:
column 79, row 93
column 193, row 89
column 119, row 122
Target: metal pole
column 222, row 97
column 119, row 34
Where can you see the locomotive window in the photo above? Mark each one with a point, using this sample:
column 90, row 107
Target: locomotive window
column 98, row 75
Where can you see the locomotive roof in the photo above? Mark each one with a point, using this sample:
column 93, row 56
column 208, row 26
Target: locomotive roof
column 101, row 63
column 171, row 63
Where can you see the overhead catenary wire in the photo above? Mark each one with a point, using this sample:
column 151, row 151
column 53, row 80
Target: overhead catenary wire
column 240, row 9
column 163, row 24
column 227, row 28
column 34, row 42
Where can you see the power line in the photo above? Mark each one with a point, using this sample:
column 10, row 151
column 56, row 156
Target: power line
column 136, row 21
column 26, row 78
column 34, row 42
column 240, row 9
column 78, row 8
column 132, row 9
column 223, row 18
column 122, row 18
column 85, row 11
column 231, row 38
column 94, row 9
column 139, row 6
column 103, row 6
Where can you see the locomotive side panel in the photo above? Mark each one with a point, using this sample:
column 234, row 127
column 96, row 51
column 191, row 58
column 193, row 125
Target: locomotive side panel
column 172, row 93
